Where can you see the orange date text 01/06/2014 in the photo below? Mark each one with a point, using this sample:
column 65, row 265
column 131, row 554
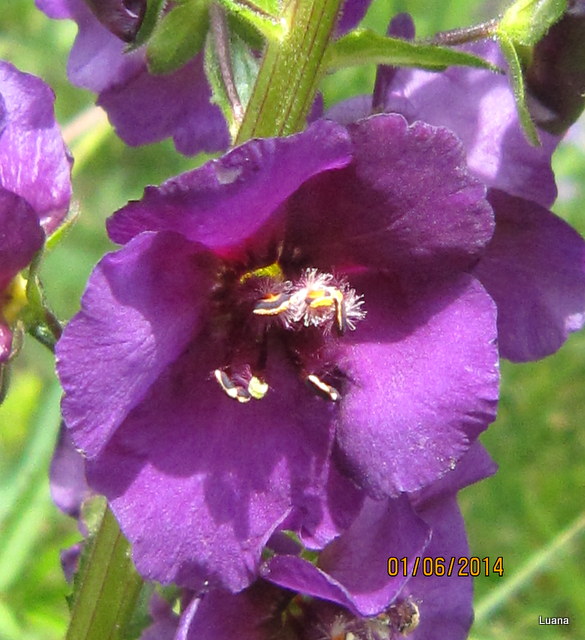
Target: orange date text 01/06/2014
column 445, row 566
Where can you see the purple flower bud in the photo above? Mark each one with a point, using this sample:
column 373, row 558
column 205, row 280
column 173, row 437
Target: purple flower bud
column 555, row 77
column 122, row 17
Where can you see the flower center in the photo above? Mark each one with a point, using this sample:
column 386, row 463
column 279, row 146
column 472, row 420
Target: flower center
column 307, row 315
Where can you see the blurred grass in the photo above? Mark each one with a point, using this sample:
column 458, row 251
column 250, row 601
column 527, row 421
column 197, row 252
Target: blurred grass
column 537, row 440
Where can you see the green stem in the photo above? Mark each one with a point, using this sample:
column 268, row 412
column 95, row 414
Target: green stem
column 109, row 587
column 290, row 71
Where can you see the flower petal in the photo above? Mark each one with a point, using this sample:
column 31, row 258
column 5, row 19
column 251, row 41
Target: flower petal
column 228, row 199
column 351, row 13
column 138, row 313
column 445, row 603
column 474, row 466
column 359, row 558
column 199, row 481
column 21, row 236
column 248, row 615
column 341, row 502
column 141, row 111
column 352, row 570
column 423, row 382
column 479, row 107
column 406, row 204
column 54, row 8
column 534, row 269
column 67, row 476
column 35, row 163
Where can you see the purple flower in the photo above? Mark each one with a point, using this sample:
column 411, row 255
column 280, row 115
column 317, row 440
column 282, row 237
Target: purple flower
column 208, row 422
column 534, row 268
column 67, row 476
column 35, row 185
column 142, row 107
column 212, row 374
column 349, row 590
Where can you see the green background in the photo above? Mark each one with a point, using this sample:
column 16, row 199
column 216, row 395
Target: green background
column 531, row 512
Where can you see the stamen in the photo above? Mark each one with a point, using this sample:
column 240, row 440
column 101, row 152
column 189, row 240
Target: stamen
column 233, row 390
column 319, row 300
column 272, row 304
column 257, row 388
column 403, row 616
column 322, row 389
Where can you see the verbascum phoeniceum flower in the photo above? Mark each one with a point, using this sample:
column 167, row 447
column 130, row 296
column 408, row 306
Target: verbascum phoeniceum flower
column 288, row 324
column 359, row 587
column 35, row 186
column 142, row 106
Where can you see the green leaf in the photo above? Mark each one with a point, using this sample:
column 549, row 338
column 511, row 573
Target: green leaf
column 178, row 37
column 154, row 10
column 526, row 21
column 517, row 79
column 264, row 15
column 367, row 47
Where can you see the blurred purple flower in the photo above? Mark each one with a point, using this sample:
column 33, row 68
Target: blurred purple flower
column 534, row 268
column 142, row 107
column 67, row 476
column 193, row 372
column 35, row 186
column 348, row 590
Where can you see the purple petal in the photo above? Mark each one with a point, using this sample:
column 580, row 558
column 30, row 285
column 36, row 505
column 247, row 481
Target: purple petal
column 401, row 26
column 67, row 476
column 479, row 107
column 70, row 560
column 20, row 236
column 138, row 313
column 358, row 559
column 98, row 60
column 425, row 365
column 406, row 204
column 474, row 466
column 340, row 504
column 534, row 269
column 141, row 110
column 229, row 199
column 248, row 615
column 35, row 163
column 352, row 12
column 54, row 8
column 444, row 602
column 164, row 621
column 199, row 481
column 353, row 568
column 122, row 17
column 297, row 574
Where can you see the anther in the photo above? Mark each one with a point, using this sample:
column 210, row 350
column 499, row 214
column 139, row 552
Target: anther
column 272, row 305
column 257, row 388
column 233, row 390
column 322, row 389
